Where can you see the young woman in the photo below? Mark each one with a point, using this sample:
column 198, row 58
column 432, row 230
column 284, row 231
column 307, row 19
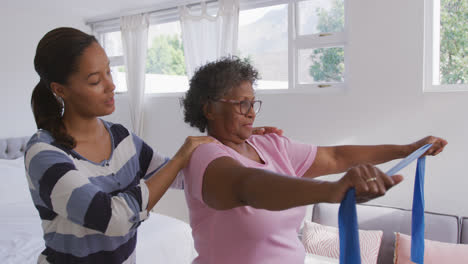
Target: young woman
column 93, row 182
column 245, row 195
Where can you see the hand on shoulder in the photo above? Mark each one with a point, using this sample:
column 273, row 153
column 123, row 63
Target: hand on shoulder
column 191, row 143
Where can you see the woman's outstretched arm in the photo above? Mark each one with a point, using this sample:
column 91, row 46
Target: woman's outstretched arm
column 337, row 159
column 228, row 184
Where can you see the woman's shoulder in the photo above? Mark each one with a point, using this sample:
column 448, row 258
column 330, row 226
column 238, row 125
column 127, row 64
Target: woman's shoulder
column 207, row 148
column 119, row 133
column 267, row 139
column 116, row 127
column 42, row 144
column 270, row 142
column 41, row 136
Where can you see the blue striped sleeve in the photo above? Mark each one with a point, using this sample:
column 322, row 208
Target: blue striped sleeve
column 152, row 161
column 69, row 193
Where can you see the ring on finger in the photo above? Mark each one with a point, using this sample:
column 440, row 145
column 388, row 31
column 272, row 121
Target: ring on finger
column 371, row 179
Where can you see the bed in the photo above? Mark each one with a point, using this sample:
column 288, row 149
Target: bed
column 161, row 239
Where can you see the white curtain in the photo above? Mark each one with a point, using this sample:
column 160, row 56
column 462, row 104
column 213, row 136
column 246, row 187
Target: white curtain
column 135, row 44
column 207, row 38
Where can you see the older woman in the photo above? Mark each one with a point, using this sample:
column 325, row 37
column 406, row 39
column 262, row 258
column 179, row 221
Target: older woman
column 245, row 196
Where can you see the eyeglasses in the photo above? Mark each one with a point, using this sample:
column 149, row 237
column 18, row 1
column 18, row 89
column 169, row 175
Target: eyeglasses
column 245, row 105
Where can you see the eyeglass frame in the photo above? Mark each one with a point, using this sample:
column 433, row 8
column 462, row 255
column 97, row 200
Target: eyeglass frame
column 239, row 102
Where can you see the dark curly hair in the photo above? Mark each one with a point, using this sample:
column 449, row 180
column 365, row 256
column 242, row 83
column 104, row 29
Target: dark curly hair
column 211, row 82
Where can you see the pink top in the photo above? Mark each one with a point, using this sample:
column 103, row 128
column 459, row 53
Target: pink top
column 244, row 234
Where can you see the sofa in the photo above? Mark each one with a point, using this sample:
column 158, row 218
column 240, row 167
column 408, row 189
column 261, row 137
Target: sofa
column 464, row 230
column 438, row 227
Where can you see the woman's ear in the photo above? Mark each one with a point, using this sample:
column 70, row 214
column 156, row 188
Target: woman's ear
column 57, row 89
column 208, row 110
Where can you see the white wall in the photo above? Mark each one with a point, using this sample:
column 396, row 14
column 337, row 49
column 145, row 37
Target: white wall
column 23, row 23
column 384, row 102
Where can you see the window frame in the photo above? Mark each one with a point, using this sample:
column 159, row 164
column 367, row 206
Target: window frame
column 432, row 50
column 157, row 17
column 295, row 43
column 108, row 26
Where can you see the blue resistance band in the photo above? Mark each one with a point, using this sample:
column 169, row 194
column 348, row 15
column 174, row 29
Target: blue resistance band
column 347, row 216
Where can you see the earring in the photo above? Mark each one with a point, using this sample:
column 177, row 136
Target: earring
column 62, row 104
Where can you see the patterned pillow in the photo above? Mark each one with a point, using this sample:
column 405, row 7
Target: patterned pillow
column 324, row 241
column 316, row 259
column 435, row 252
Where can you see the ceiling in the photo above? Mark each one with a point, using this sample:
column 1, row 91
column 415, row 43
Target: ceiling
column 91, row 10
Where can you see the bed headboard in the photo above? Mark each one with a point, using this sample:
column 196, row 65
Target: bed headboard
column 12, row 148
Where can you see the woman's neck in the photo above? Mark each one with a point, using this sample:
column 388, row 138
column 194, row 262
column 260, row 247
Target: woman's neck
column 82, row 129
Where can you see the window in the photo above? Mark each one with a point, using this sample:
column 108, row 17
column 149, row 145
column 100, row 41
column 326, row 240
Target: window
column 263, row 41
column 446, row 42
column 112, row 44
column 295, row 45
column 319, row 44
column 298, row 45
column 321, row 65
column 165, row 64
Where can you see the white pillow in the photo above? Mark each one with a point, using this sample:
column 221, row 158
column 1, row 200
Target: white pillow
column 317, row 259
column 324, row 241
column 14, row 188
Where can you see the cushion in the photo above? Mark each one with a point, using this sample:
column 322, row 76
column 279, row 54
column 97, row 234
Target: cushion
column 435, row 252
column 316, row 259
column 391, row 220
column 14, row 188
column 324, row 241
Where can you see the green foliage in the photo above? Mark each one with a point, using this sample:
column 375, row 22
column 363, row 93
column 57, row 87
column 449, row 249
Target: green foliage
column 332, row 21
column 454, row 41
column 328, row 63
column 247, row 59
column 166, row 56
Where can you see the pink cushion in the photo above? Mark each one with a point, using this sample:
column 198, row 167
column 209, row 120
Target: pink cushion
column 435, row 252
column 324, row 241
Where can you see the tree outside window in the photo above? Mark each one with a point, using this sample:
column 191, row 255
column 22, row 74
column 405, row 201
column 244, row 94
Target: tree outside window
column 453, row 42
column 328, row 63
column 166, row 56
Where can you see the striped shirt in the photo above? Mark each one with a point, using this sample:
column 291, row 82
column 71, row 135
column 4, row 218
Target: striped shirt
column 90, row 211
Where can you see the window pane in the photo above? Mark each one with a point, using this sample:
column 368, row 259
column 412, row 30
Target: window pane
column 165, row 63
column 453, row 41
column 319, row 16
column 263, row 40
column 321, row 65
column 118, row 76
column 113, row 44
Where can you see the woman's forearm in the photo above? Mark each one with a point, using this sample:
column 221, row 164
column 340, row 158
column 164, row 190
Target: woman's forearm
column 350, row 156
column 163, row 178
column 267, row 190
column 160, row 182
